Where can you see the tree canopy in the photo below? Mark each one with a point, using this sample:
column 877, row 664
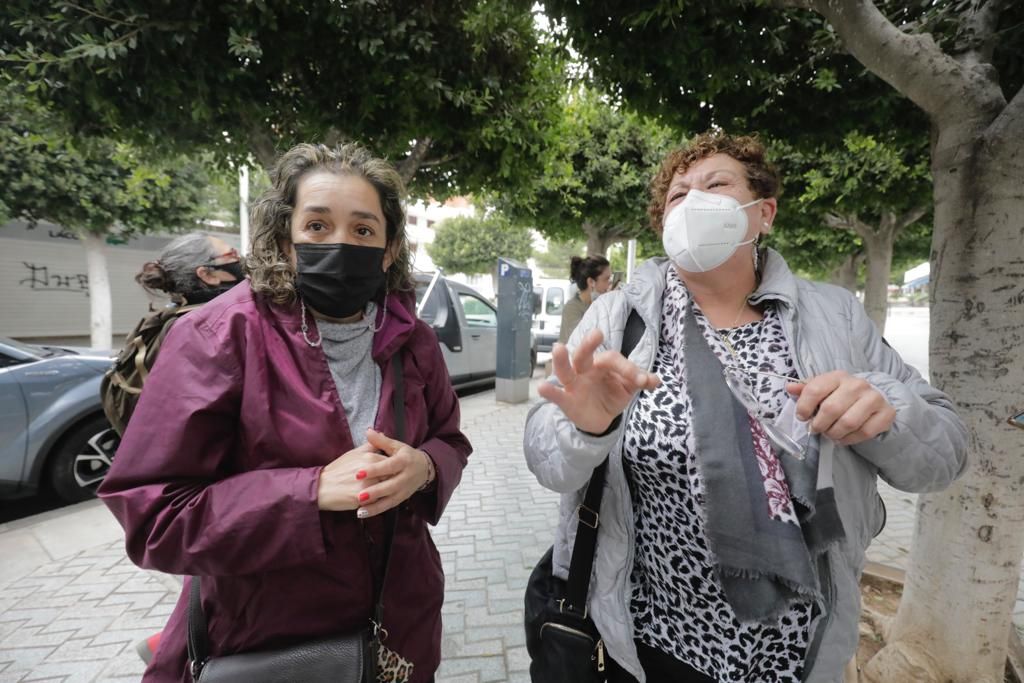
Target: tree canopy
column 90, row 185
column 457, row 90
column 594, row 180
column 747, row 66
column 830, row 193
column 472, row 244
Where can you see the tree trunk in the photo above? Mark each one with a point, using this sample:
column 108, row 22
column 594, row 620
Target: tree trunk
column 408, row 166
column 845, row 274
column 965, row 562
column 598, row 240
column 878, row 247
column 101, row 335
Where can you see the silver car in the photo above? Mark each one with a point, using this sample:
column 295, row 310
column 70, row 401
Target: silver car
column 52, row 429
column 466, row 324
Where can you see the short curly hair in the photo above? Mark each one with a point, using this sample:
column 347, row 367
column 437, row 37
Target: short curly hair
column 762, row 177
column 270, row 272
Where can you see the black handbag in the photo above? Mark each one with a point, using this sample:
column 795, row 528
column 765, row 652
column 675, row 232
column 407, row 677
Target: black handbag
column 349, row 658
column 562, row 641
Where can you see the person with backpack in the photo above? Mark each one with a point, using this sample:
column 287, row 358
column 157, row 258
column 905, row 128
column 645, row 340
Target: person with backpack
column 191, row 270
column 296, row 436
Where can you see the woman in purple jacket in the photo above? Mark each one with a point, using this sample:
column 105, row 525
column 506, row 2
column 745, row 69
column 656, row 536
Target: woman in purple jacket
column 262, row 453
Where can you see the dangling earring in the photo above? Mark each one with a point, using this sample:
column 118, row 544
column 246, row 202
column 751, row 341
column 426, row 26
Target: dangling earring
column 384, row 316
column 756, row 257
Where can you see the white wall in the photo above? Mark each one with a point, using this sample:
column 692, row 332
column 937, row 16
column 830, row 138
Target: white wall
column 44, row 285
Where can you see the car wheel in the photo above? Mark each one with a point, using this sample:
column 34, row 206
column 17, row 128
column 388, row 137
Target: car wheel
column 82, row 460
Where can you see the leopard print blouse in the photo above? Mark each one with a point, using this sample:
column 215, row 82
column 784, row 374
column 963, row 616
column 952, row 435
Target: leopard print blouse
column 677, row 602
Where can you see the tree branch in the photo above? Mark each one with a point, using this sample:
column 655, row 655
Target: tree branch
column 980, row 23
column 333, row 137
column 909, row 218
column 1009, row 125
column 867, row 232
column 408, row 166
column 437, row 161
column 262, row 146
column 913, row 64
column 837, row 222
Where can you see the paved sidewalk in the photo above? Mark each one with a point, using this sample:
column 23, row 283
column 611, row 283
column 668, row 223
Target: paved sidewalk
column 72, row 606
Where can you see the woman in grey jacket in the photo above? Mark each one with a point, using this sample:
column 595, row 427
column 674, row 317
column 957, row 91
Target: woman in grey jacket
column 745, row 434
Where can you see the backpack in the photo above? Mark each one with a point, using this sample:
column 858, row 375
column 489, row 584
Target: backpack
column 122, row 383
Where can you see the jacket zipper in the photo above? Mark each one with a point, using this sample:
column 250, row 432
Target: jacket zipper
column 805, row 369
column 566, row 629
column 630, row 520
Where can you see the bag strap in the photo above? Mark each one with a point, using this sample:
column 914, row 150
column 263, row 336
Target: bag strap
column 142, row 350
column 197, row 637
column 391, row 516
column 588, row 513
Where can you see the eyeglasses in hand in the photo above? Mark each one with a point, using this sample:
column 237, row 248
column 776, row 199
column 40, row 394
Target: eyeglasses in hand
column 739, row 382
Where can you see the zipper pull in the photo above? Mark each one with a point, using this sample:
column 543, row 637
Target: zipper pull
column 600, row 655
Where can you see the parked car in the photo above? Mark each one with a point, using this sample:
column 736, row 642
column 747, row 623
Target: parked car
column 549, row 298
column 52, row 428
column 466, row 324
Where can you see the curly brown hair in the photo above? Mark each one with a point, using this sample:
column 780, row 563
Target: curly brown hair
column 270, row 272
column 762, row 177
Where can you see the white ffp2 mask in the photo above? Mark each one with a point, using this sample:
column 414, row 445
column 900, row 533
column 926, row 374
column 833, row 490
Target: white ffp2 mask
column 704, row 230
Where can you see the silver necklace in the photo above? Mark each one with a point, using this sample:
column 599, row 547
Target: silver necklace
column 305, row 327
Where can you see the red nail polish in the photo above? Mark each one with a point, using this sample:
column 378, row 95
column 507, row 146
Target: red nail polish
column 361, row 474
column 363, row 497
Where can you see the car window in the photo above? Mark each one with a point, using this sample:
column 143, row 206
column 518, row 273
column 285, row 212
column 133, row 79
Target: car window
column 555, row 301
column 429, row 312
column 478, row 312
column 7, row 361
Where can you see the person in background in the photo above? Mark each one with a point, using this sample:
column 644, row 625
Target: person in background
column 593, row 277
column 264, row 448
column 191, row 270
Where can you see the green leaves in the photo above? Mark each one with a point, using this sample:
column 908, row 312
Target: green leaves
column 472, row 244
column 248, row 78
column 88, row 184
column 597, row 164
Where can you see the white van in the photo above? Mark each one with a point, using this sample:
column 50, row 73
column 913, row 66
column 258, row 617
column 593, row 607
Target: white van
column 549, row 298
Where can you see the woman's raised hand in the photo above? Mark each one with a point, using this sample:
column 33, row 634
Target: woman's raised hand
column 596, row 387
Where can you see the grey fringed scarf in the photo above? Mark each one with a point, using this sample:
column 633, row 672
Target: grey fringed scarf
column 764, row 564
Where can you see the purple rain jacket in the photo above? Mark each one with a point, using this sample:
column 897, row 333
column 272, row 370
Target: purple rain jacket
column 217, row 477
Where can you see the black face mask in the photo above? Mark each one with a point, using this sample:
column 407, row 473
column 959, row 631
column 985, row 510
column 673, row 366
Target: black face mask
column 338, row 280
column 233, row 269
column 211, row 292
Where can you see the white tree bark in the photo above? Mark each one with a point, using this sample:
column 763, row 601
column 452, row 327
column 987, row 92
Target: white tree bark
column 966, row 555
column 876, row 283
column 955, row 615
column 100, row 325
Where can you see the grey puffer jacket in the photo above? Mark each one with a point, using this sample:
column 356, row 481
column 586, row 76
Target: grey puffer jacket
column 925, row 450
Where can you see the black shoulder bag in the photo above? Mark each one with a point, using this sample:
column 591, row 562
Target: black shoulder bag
column 351, row 658
column 561, row 638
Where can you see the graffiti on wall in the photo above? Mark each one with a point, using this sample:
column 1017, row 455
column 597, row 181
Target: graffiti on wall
column 41, row 279
column 64, row 234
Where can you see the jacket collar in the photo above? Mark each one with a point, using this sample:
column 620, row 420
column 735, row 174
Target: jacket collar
column 777, row 281
column 647, row 287
column 396, row 320
column 394, row 328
